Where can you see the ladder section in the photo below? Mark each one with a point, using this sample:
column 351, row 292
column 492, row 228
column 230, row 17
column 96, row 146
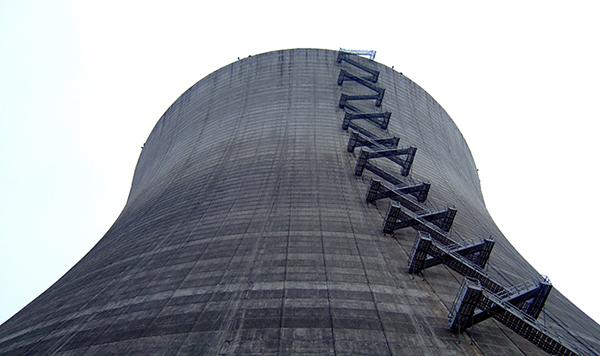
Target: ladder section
column 372, row 145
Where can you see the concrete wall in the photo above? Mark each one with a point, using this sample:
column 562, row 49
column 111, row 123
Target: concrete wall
column 246, row 232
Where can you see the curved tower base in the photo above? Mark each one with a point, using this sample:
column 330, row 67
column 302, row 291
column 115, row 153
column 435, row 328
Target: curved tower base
column 303, row 202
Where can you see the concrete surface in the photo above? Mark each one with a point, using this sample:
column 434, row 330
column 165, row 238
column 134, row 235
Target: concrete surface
column 246, row 232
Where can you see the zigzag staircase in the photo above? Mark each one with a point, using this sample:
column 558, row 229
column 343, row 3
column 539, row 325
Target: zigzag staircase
column 480, row 296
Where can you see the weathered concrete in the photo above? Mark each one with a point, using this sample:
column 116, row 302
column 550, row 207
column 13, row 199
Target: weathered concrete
column 246, row 232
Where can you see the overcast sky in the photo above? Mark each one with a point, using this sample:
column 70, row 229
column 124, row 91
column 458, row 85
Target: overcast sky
column 83, row 83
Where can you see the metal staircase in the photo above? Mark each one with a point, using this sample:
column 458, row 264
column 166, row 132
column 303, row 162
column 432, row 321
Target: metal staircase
column 480, row 297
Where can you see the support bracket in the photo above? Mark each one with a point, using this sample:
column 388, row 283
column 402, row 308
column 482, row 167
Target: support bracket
column 397, row 219
column 464, row 305
column 424, row 257
column 358, row 140
column 393, row 154
column 378, row 190
column 380, row 119
column 345, row 75
column 344, row 98
column 348, row 58
column 492, row 304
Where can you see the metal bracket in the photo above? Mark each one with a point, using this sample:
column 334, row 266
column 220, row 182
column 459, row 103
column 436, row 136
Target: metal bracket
column 437, row 223
column 347, row 57
column 461, row 314
column 358, row 140
column 392, row 154
column 344, row 98
column 380, row 119
column 377, row 190
column 535, row 305
column 534, row 295
column 360, row 52
column 345, row 75
column 443, row 219
column 423, row 257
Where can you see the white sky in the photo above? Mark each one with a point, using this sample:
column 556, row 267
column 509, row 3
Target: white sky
column 82, row 84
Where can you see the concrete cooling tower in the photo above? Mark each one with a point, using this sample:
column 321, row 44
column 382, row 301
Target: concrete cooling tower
column 303, row 202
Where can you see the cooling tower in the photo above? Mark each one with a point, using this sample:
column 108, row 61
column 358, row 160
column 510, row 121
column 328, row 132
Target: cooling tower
column 303, row 202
